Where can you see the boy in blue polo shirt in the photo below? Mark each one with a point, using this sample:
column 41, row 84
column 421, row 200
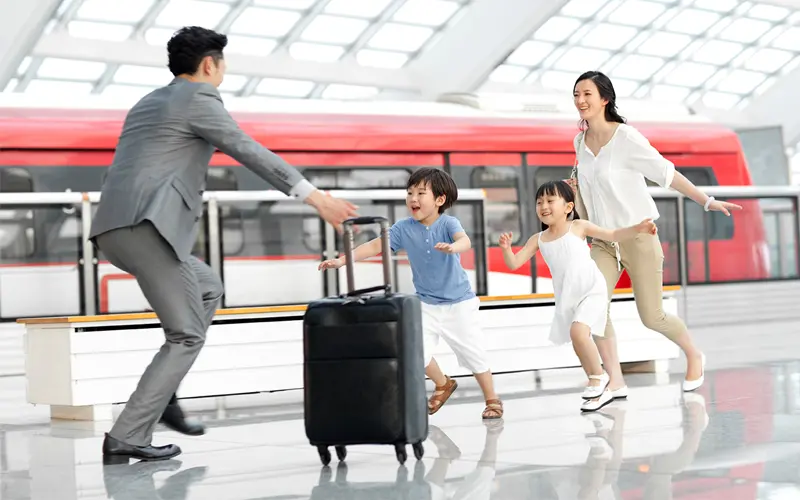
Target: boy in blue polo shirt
column 433, row 241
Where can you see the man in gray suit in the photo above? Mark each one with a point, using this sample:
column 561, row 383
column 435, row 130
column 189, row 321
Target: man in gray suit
column 146, row 224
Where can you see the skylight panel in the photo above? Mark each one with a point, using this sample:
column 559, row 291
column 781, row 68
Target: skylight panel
column 358, row 8
column 638, row 67
column 690, row 74
column 316, row 52
column 54, row 87
column 693, row 21
column 636, row 13
column 584, row 9
column 669, row 93
column 126, row 92
column 179, row 13
column 158, row 36
column 745, row 30
column 558, row 80
column 741, row 81
column 142, row 75
column 557, row 29
column 99, row 31
column 265, row 22
column 717, row 52
column 286, row 4
column 768, row 12
column 506, row 73
column 73, row 69
column 334, row 29
column 381, row 58
column 233, row 83
column 400, row 37
column 768, row 60
column 530, row 53
column 608, row 36
column 426, row 12
column 664, row 44
column 129, row 11
column 250, row 45
column 11, row 85
column 579, row 59
column 724, row 6
column 720, row 100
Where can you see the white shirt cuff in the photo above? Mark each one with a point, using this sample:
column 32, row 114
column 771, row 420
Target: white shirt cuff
column 302, row 189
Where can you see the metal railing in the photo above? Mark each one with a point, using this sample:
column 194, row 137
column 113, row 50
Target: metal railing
column 702, row 247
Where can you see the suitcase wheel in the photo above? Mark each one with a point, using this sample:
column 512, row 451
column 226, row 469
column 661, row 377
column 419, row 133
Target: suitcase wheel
column 324, row 454
column 418, row 450
column 341, row 453
column 400, row 451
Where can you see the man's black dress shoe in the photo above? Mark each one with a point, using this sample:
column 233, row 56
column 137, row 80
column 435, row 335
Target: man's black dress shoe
column 174, row 418
column 116, row 451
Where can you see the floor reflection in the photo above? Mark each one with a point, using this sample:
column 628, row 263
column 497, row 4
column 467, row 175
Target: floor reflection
column 736, row 438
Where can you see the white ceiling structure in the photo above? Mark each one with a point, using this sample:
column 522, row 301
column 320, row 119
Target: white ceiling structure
column 736, row 61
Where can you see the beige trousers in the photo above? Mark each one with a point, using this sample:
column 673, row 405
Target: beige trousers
column 643, row 258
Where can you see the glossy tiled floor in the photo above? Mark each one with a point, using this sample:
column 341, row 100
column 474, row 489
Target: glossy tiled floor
column 736, row 438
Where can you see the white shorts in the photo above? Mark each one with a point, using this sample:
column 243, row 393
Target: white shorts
column 458, row 324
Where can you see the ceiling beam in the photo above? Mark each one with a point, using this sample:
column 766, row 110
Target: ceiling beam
column 21, row 25
column 276, row 65
column 469, row 50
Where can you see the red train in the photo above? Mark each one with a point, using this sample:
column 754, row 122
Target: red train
column 376, row 145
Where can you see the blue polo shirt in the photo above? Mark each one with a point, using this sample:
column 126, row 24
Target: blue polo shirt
column 438, row 277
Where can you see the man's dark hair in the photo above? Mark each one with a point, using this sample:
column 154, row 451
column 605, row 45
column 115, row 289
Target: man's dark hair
column 189, row 45
column 440, row 183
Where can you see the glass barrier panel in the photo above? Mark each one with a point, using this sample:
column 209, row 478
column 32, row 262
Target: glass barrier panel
column 40, row 250
column 118, row 292
column 270, row 253
column 757, row 243
column 667, row 225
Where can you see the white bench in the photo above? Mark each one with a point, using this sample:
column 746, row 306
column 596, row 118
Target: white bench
column 82, row 365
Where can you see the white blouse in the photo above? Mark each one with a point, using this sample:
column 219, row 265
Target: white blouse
column 612, row 184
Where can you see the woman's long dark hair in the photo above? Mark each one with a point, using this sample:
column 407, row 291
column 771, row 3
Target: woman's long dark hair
column 606, row 90
column 562, row 190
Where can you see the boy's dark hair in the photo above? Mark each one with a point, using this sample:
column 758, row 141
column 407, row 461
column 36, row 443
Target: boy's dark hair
column 560, row 189
column 189, row 45
column 441, row 184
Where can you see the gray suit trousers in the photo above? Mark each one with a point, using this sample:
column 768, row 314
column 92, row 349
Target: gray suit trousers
column 184, row 296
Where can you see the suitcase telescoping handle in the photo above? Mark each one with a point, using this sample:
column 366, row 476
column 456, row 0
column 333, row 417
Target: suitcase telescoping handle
column 385, row 254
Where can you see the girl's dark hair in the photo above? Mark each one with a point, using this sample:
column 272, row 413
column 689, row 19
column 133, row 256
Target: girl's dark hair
column 606, row 90
column 563, row 191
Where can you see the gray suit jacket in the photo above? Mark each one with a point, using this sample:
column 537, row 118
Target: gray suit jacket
column 160, row 165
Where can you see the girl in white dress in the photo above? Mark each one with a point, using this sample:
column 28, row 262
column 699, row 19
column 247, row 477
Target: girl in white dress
column 581, row 292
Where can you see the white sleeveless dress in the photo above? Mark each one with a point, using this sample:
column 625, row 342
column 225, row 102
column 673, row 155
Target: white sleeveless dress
column 580, row 288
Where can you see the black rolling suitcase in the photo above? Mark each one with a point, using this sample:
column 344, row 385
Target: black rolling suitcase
column 364, row 374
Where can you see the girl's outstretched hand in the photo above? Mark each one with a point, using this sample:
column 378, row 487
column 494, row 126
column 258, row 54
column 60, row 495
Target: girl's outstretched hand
column 505, row 240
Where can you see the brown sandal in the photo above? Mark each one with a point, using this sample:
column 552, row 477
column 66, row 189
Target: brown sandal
column 493, row 410
column 448, row 388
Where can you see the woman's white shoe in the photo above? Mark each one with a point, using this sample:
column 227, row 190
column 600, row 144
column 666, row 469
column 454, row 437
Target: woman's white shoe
column 693, row 385
column 593, row 391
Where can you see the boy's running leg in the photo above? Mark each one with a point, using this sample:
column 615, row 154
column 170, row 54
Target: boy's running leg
column 462, row 332
column 431, row 321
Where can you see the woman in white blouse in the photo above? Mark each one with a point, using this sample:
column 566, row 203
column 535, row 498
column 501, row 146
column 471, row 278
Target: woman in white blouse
column 613, row 160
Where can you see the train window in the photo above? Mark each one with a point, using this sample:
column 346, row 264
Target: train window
column 501, row 185
column 221, row 179
column 15, row 180
column 358, row 178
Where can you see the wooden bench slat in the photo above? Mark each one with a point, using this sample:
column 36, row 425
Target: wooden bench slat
column 239, row 311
